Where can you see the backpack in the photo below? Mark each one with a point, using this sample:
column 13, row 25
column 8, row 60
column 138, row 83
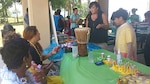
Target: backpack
column 60, row 23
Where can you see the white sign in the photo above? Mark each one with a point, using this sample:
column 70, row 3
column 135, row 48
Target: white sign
column 53, row 23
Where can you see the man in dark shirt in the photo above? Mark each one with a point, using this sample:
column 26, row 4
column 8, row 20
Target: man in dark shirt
column 26, row 18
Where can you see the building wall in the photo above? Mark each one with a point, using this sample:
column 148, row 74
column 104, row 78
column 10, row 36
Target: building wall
column 104, row 5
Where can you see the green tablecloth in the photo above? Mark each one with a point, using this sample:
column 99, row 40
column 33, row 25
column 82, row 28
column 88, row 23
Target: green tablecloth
column 80, row 71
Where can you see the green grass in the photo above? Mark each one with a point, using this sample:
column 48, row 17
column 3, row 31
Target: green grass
column 13, row 21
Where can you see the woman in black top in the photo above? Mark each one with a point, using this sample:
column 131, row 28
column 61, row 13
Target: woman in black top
column 98, row 22
column 147, row 51
column 31, row 34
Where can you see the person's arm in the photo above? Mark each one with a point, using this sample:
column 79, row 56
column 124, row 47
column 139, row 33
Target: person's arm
column 54, row 51
column 62, row 18
column 47, row 56
column 130, row 52
column 105, row 24
column 129, row 36
column 40, row 77
column 47, row 67
column 86, row 23
column 78, row 19
column 71, row 19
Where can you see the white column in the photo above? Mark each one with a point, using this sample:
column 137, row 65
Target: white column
column 39, row 17
column 149, row 4
column 24, row 7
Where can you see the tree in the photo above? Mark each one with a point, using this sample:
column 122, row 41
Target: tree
column 84, row 10
column 58, row 3
column 76, row 3
column 66, row 4
column 4, row 5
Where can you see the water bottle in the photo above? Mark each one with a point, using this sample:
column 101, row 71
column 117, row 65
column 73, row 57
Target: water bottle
column 91, row 56
column 74, row 50
column 108, row 58
column 102, row 56
column 119, row 57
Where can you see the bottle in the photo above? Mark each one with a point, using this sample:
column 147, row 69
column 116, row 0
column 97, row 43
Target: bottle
column 102, row 56
column 91, row 56
column 74, row 50
column 119, row 57
column 108, row 58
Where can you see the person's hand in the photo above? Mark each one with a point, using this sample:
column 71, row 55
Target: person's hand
column 56, row 49
column 77, row 21
column 40, row 76
column 47, row 67
column 99, row 26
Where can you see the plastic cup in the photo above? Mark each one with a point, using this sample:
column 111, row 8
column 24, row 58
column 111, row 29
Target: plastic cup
column 91, row 57
column 74, row 51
